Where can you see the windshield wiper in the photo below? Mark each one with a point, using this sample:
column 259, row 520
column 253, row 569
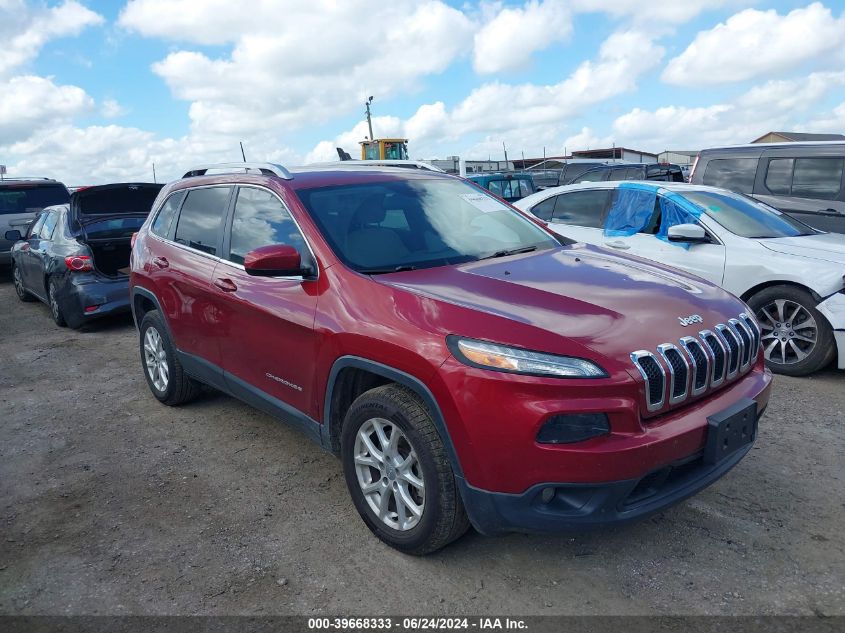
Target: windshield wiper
column 513, row 251
column 384, row 271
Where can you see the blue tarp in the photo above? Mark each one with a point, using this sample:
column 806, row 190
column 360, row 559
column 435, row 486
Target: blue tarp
column 633, row 209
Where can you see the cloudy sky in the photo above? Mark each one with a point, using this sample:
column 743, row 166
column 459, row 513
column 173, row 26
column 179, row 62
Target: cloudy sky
column 98, row 91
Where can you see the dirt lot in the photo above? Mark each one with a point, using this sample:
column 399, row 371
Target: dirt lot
column 111, row 503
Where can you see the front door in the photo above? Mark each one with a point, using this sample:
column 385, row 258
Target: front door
column 268, row 342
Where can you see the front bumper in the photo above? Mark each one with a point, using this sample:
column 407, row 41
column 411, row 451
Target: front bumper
column 101, row 295
column 833, row 309
column 566, row 507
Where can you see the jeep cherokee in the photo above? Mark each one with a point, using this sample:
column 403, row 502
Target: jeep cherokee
column 467, row 365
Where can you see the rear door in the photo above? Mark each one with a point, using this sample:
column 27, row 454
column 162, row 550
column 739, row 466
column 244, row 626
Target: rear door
column 579, row 215
column 41, row 249
column 181, row 267
column 267, row 340
column 807, row 183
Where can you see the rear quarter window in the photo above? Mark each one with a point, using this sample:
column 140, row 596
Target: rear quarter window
column 736, row 174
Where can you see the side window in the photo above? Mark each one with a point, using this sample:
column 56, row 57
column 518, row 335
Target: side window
column 582, row 208
column 618, row 173
column 164, row 218
column 819, row 178
column 736, row 174
column 200, row 219
column 261, row 219
column 46, row 231
column 779, row 176
column 35, row 228
column 545, row 209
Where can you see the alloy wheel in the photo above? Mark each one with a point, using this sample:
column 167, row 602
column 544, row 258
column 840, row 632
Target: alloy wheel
column 155, row 358
column 790, row 332
column 54, row 303
column 18, row 281
column 389, row 474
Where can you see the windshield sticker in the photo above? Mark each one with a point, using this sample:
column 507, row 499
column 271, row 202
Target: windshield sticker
column 483, row 203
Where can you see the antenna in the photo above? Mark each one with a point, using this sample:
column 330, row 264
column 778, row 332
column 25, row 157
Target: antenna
column 242, row 150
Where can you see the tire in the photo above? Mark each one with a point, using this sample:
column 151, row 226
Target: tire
column 440, row 517
column 53, row 302
column 162, row 369
column 23, row 293
column 794, row 351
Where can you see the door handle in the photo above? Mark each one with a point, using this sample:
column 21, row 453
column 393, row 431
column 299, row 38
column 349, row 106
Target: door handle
column 161, row 262
column 226, row 285
column 830, row 211
column 620, row 245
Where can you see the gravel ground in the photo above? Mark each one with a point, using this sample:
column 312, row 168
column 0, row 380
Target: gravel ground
column 111, row 503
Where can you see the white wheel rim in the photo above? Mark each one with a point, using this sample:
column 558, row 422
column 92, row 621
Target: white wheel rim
column 155, row 358
column 389, row 474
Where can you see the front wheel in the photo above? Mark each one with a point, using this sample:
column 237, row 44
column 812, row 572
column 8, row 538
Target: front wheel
column 797, row 340
column 398, row 473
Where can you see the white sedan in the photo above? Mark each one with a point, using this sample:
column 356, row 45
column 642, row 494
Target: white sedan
column 792, row 276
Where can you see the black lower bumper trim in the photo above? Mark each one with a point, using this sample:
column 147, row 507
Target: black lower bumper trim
column 566, row 507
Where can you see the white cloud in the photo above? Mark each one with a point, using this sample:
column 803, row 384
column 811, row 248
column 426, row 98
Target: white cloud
column 774, row 105
column 24, row 30
column 661, row 11
column 585, row 139
column 524, row 116
column 753, row 43
column 112, row 153
column 508, row 41
column 111, row 109
column 32, row 103
column 305, row 64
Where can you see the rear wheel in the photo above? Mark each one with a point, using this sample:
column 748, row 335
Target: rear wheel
column 17, row 278
column 398, row 473
column 162, row 369
column 797, row 340
column 53, row 301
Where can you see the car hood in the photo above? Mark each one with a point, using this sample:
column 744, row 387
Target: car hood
column 825, row 246
column 612, row 304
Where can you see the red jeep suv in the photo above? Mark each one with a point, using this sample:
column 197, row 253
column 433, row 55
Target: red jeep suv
column 467, row 365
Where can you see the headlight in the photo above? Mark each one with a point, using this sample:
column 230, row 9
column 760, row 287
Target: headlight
column 520, row 361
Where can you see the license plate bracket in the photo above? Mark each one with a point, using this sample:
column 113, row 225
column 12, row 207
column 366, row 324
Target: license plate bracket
column 730, row 430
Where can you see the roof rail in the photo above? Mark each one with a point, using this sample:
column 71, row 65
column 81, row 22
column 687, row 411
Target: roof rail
column 266, row 169
column 412, row 164
column 6, row 177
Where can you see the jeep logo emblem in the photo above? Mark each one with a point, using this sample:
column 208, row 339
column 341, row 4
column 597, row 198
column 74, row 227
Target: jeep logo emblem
column 693, row 318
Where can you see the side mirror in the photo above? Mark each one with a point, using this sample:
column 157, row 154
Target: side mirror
column 275, row 260
column 691, row 233
column 13, row 235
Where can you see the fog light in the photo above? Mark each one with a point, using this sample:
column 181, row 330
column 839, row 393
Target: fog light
column 573, row 427
column 547, row 495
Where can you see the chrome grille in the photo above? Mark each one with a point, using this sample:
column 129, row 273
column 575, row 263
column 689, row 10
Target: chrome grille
column 756, row 334
column 698, row 363
column 678, row 372
column 654, row 376
column 731, row 342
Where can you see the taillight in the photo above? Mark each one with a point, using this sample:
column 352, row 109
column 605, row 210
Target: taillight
column 79, row 263
column 132, row 240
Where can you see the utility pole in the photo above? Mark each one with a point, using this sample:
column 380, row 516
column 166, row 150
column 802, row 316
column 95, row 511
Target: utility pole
column 506, row 153
column 242, row 150
column 154, row 173
column 369, row 118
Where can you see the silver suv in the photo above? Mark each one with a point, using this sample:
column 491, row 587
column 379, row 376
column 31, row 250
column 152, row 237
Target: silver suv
column 21, row 199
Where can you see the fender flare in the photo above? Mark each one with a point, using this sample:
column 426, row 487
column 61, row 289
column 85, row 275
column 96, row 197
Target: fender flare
column 402, row 378
column 143, row 292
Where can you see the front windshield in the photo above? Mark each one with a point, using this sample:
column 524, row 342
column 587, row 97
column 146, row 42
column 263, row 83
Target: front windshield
column 378, row 227
column 746, row 217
